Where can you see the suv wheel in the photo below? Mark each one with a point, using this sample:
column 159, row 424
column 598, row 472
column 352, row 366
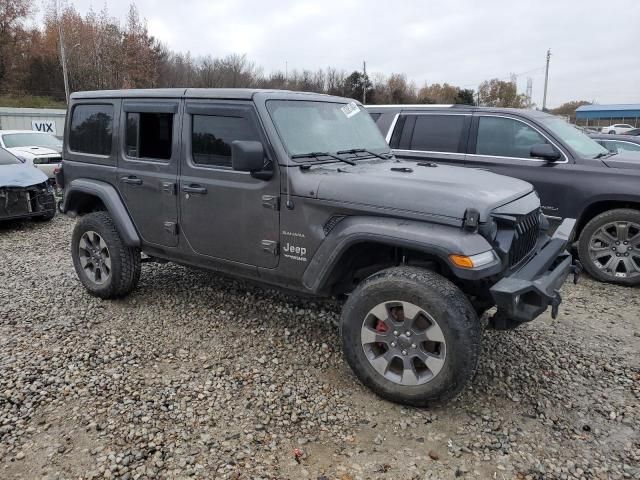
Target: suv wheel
column 105, row 265
column 609, row 247
column 411, row 336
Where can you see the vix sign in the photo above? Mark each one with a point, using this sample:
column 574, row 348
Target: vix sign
column 45, row 126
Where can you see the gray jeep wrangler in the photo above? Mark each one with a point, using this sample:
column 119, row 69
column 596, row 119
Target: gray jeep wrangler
column 301, row 191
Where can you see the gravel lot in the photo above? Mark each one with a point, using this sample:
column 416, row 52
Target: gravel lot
column 198, row 375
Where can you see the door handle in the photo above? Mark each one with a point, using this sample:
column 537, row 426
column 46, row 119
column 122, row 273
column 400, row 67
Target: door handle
column 131, row 180
column 194, row 188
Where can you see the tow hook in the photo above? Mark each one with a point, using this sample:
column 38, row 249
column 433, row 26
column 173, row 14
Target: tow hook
column 576, row 269
column 555, row 304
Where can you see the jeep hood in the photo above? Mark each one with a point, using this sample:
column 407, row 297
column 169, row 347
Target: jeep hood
column 433, row 191
column 20, row 175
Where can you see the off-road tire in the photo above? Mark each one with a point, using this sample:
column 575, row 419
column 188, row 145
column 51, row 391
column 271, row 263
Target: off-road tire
column 446, row 304
column 125, row 261
column 621, row 214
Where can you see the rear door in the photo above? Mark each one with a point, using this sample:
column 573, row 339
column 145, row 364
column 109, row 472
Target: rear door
column 502, row 144
column 148, row 167
column 435, row 137
column 226, row 214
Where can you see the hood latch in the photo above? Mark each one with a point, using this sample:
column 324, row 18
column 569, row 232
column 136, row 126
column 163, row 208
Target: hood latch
column 471, row 219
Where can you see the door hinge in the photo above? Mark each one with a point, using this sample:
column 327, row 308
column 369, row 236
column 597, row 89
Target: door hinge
column 271, row 201
column 270, row 246
column 171, row 227
column 168, row 187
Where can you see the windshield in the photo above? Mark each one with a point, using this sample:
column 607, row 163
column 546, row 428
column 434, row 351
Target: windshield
column 307, row 126
column 578, row 141
column 8, row 159
column 31, row 140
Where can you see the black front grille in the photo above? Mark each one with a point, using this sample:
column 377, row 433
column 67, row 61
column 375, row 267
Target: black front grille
column 527, row 230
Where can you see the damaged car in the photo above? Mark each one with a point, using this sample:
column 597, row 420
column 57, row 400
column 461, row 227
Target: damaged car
column 24, row 190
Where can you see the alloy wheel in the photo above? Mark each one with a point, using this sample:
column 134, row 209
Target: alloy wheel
column 94, row 257
column 403, row 343
column 614, row 248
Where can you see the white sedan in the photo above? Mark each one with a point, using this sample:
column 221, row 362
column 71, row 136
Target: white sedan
column 617, row 129
column 41, row 150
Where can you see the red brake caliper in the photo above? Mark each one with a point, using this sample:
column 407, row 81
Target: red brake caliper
column 381, row 327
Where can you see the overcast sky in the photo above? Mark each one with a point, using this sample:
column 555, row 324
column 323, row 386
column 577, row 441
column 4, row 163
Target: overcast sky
column 594, row 44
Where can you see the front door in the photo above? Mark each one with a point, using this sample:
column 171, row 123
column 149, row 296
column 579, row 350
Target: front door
column 148, row 167
column 502, row 144
column 226, row 214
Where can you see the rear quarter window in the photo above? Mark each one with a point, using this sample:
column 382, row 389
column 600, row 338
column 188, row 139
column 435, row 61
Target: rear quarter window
column 438, row 133
column 91, row 129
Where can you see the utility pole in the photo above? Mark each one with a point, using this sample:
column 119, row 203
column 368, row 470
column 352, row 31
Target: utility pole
column 286, row 73
column 546, row 81
column 63, row 58
column 364, row 83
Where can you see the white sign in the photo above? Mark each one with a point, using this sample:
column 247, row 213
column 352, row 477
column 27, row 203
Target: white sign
column 350, row 109
column 45, row 126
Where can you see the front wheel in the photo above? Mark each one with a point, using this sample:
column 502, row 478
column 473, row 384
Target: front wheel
column 609, row 247
column 411, row 336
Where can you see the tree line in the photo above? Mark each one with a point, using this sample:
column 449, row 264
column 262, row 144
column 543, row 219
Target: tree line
column 103, row 54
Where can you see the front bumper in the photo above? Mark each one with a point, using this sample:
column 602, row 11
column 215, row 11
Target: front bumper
column 530, row 290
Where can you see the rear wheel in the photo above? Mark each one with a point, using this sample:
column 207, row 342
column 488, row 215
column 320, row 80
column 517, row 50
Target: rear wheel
column 609, row 247
column 612, row 132
column 104, row 264
column 411, row 336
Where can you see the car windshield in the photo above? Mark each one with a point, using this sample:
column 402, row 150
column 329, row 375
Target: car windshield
column 578, row 141
column 28, row 139
column 8, row 159
column 307, row 127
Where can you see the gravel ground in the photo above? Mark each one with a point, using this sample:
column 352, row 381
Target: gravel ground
column 198, row 375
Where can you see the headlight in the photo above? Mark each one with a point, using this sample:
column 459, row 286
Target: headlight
column 474, row 261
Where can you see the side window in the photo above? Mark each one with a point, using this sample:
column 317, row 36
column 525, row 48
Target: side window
column 437, row 133
column 211, row 138
column 505, row 137
column 149, row 135
column 91, row 129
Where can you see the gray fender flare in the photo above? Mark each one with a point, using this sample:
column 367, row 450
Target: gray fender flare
column 111, row 200
column 434, row 239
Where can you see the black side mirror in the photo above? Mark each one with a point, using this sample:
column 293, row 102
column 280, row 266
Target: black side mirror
column 248, row 156
column 545, row 151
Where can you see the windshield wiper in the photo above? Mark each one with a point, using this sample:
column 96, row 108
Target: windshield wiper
column 322, row 154
column 605, row 155
column 361, row 150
